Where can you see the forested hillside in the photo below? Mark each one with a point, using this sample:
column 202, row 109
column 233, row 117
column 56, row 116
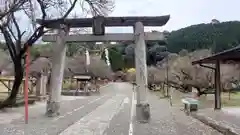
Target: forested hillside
column 225, row 34
column 217, row 37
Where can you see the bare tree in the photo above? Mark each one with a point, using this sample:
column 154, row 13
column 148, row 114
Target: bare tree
column 193, row 75
column 229, row 75
column 156, row 75
column 181, row 73
column 184, row 76
column 18, row 40
column 99, row 68
column 131, row 76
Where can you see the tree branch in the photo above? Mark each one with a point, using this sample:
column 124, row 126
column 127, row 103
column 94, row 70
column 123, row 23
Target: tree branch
column 70, row 9
column 19, row 34
column 9, row 42
column 177, row 76
column 38, row 32
column 187, row 75
column 13, row 8
column 12, row 33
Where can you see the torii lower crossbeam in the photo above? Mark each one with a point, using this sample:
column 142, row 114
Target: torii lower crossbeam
column 114, row 37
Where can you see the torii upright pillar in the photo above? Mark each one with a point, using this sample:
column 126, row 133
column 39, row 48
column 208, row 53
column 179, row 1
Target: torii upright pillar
column 142, row 107
column 59, row 55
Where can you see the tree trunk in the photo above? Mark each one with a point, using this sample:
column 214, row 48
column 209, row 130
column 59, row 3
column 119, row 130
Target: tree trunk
column 11, row 100
column 199, row 92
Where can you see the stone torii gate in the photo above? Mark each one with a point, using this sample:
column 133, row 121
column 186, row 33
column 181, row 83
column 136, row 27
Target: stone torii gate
column 98, row 25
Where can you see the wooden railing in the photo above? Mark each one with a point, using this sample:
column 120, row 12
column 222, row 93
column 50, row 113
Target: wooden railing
column 7, row 83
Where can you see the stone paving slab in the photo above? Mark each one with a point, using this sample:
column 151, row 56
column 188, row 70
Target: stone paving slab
column 119, row 125
column 220, row 120
column 98, row 120
column 75, row 93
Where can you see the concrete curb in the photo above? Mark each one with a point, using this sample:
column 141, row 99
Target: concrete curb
column 81, row 93
column 222, row 128
column 21, row 103
column 74, row 93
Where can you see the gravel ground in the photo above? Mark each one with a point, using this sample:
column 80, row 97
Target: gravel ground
column 115, row 100
column 170, row 121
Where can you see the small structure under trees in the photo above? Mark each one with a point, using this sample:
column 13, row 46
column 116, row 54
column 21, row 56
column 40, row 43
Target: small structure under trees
column 226, row 57
column 78, row 72
column 82, row 83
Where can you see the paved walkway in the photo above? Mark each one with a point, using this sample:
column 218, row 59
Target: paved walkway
column 110, row 113
column 225, row 120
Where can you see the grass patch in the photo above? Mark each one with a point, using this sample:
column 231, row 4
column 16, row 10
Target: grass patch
column 159, row 94
column 206, row 101
column 233, row 101
column 67, row 85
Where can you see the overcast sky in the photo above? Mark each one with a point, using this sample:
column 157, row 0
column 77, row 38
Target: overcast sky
column 183, row 12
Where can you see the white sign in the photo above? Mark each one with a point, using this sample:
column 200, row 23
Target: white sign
column 87, row 58
column 107, row 57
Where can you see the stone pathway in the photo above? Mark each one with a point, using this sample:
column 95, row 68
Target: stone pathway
column 98, row 120
column 221, row 120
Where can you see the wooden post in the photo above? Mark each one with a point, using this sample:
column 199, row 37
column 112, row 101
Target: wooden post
column 217, row 86
column 26, row 85
column 38, row 86
column 32, row 87
column 71, row 83
column 78, row 85
column 44, row 85
column 41, row 87
column 59, row 55
column 9, row 86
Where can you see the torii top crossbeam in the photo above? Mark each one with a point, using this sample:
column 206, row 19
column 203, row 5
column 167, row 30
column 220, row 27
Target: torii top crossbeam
column 98, row 24
column 107, row 21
